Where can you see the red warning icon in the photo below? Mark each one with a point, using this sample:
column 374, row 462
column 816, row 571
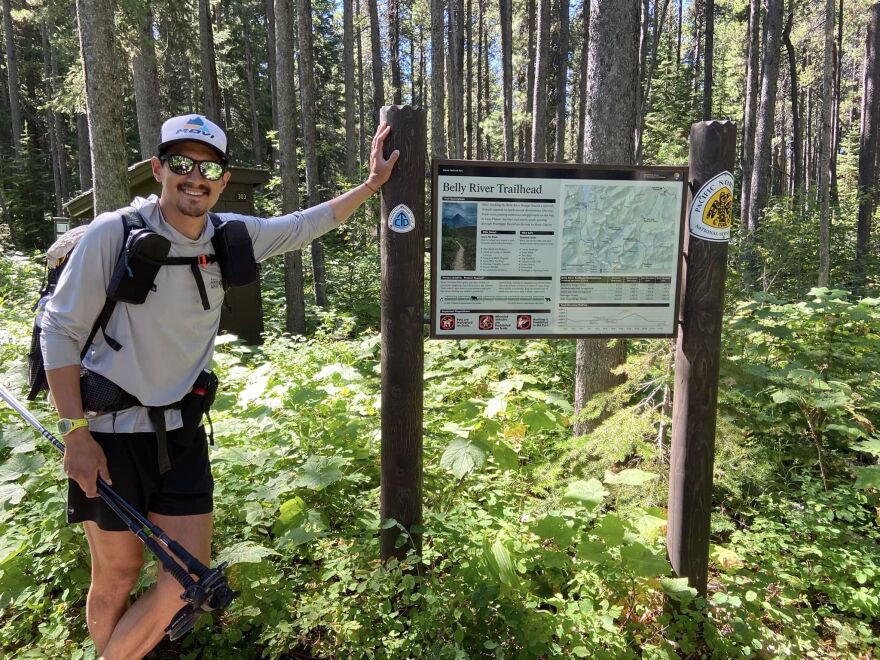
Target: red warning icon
column 524, row 322
column 447, row 322
column 487, row 322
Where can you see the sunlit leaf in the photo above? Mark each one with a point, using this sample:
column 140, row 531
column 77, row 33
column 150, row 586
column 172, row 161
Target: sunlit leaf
column 555, row 527
column 318, row 472
column 244, row 553
column 871, row 446
column 610, row 529
column 678, row 589
column 630, row 477
column 18, row 465
column 462, row 457
column 868, row 477
column 642, row 561
column 589, row 493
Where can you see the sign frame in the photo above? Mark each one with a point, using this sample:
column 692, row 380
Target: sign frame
column 573, row 172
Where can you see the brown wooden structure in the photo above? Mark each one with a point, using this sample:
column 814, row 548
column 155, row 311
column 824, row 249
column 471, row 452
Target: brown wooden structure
column 403, row 254
column 697, row 365
column 244, row 316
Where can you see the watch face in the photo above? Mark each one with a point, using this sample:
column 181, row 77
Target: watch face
column 64, row 426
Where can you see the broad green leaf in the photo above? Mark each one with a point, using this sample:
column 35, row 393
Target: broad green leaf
column 589, row 493
column 642, row 561
column 539, row 418
column 850, row 431
column 610, row 529
column 555, row 527
column 678, row 589
column 500, row 563
column 462, row 457
column 495, row 406
column 592, row 551
column 630, row 477
column 10, row 549
column 785, row 396
column 871, row 446
column 651, row 524
column 318, row 472
column 314, row 526
column 19, row 465
column 11, row 494
column 290, row 514
column 504, row 455
column 245, row 552
column 868, row 477
column 256, row 385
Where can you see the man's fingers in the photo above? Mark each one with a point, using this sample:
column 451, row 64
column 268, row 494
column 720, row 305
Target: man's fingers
column 104, row 473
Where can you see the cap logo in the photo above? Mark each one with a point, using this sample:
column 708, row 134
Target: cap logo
column 195, row 125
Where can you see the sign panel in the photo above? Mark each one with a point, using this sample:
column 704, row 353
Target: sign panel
column 555, row 250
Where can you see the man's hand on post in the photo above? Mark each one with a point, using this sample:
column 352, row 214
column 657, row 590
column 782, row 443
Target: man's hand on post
column 84, row 461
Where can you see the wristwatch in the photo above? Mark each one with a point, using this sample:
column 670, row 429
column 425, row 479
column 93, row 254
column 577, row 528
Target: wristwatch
column 65, row 426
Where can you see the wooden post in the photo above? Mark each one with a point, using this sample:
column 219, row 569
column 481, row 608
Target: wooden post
column 402, row 241
column 698, row 353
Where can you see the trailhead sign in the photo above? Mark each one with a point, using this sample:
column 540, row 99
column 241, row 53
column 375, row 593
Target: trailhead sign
column 555, row 250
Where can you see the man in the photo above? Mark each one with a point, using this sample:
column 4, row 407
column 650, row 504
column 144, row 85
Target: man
column 166, row 342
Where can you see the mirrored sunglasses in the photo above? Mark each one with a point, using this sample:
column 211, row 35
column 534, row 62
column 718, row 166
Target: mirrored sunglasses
column 183, row 165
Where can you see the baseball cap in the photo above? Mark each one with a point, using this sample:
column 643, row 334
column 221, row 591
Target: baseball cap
column 193, row 128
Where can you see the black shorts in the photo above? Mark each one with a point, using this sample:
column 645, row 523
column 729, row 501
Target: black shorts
column 186, row 489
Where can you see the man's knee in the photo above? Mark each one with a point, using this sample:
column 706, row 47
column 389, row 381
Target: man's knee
column 115, row 581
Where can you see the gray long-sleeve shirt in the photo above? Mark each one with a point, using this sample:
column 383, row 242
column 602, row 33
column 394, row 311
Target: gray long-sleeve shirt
column 168, row 340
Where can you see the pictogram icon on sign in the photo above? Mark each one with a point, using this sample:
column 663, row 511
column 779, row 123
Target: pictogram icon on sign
column 401, row 219
column 447, row 322
column 487, row 322
column 524, row 322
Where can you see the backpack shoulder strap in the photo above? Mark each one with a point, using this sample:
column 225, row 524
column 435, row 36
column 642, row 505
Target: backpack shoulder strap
column 131, row 219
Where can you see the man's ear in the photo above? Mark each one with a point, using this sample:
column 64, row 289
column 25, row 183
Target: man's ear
column 156, row 166
column 224, row 180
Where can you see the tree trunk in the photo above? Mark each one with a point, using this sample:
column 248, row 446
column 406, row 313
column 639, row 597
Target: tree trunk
column 486, row 82
column 678, row 35
column 645, row 101
column 609, row 138
column 582, row 90
column 271, row 50
column 310, row 138
column 539, row 123
column 455, row 77
column 709, row 51
column 351, row 149
column 83, row 151
column 469, row 80
column 146, row 82
column 477, row 133
column 106, row 116
column 764, row 131
column 210, row 88
column 60, row 121
column 438, row 115
column 15, row 114
column 797, row 157
column 250, row 79
column 835, row 146
column 394, row 50
column 362, row 108
column 506, row 26
column 376, row 50
column 531, row 25
column 825, row 148
column 868, row 141
column 285, row 77
column 561, row 81
column 50, row 117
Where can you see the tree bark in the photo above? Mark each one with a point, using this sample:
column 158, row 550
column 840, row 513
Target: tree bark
column 479, row 106
column 868, row 141
column 250, row 79
column 60, row 121
column 438, row 114
column 582, row 89
column 506, row 27
column 146, row 82
column 455, row 78
column 210, row 88
column 764, row 131
column 825, row 148
column 50, row 117
column 271, row 49
column 15, row 113
column 708, row 55
column 645, row 100
column 83, row 151
column 310, row 137
column 376, row 50
column 101, row 65
column 539, row 122
column 351, row 149
column 469, row 80
column 285, row 77
column 797, row 157
column 561, row 81
column 609, row 138
column 531, row 25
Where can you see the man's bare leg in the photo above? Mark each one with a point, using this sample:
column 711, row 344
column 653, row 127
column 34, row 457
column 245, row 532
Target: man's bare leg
column 117, row 558
column 143, row 625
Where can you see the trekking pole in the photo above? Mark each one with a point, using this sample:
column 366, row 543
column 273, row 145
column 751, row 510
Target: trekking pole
column 210, row 592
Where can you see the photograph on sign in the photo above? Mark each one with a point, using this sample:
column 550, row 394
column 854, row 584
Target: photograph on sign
column 546, row 250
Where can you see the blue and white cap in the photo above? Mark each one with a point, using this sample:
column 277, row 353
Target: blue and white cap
column 193, row 128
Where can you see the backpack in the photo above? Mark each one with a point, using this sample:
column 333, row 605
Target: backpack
column 143, row 253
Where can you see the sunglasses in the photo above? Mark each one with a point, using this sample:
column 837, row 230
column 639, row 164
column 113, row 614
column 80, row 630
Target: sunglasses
column 183, row 165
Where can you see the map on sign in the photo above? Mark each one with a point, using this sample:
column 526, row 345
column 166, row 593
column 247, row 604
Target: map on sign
column 538, row 250
column 618, row 228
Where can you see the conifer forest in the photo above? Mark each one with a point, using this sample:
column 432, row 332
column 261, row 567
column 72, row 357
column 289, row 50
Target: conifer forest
column 547, row 463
